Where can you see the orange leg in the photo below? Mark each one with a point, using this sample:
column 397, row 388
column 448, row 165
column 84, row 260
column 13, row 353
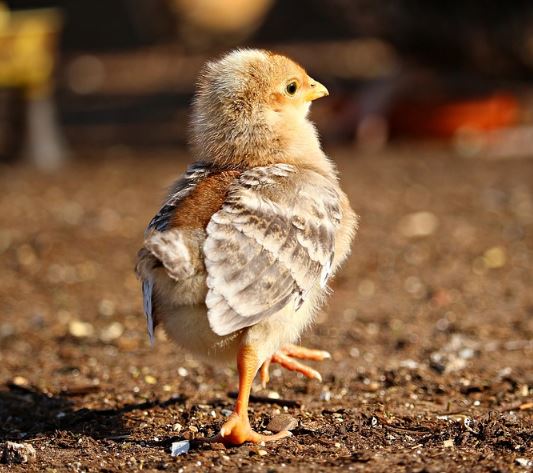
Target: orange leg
column 237, row 429
column 286, row 358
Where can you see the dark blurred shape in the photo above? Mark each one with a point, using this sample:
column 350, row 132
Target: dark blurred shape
column 303, row 20
column 493, row 38
column 12, row 119
column 126, row 24
column 115, row 24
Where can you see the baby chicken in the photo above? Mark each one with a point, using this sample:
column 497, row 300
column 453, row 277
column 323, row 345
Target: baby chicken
column 237, row 261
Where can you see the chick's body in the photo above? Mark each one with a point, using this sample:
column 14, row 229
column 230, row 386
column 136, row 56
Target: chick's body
column 237, row 260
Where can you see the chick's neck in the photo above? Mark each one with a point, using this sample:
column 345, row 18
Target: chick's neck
column 263, row 139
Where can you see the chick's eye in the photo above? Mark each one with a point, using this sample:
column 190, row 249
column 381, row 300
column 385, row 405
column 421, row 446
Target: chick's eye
column 291, row 88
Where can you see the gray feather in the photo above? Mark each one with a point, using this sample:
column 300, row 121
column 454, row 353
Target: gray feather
column 270, row 244
column 147, row 287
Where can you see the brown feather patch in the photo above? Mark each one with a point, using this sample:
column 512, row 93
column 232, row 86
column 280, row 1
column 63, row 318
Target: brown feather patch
column 196, row 209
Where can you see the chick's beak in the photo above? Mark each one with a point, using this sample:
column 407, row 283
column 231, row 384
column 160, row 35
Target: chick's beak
column 315, row 91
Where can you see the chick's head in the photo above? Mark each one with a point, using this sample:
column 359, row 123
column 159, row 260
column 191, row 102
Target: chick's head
column 249, row 106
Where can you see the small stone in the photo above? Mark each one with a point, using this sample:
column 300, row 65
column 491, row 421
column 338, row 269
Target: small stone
column 466, row 353
column 524, row 462
column 149, row 379
column 448, row 443
column 26, row 255
column 409, row 364
column 180, row 448
column 177, row 427
column 20, row 381
column 106, row 307
column 418, row 224
column 494, row 257
column 282, row 422
column 80, row 329
column 262, row 453
column 16, row 453
column 273, row 395
column 354, row 352
column 111, row 332
column 325, row 396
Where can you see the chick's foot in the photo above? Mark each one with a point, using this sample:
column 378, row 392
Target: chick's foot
column 288, row 356
column 237, row 430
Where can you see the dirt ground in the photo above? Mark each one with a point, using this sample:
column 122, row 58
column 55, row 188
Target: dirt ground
column 430, row 326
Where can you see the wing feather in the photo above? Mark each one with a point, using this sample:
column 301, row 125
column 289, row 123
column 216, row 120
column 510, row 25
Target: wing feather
column 169, row 246
column 270, row 243
column 147, row 288
column 181, row 189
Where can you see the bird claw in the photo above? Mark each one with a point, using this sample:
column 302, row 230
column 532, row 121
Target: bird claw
column 264, row 374
column 286, row 358
column 237, row 430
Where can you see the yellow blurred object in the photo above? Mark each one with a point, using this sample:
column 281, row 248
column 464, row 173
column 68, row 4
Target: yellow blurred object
column 27, row 49
column 222, row 16
column 495, row 257
column 28, row 44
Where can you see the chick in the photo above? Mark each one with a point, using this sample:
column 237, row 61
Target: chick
column 237, row 261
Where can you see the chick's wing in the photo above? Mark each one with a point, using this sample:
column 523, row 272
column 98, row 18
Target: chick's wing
column 172, row 248
column 269, row 244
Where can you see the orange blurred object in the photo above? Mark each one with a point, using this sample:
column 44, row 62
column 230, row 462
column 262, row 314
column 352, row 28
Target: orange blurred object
column 443, row 120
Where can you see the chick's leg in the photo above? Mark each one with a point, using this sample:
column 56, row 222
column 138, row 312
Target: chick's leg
column 237, row 429
column 287, row 357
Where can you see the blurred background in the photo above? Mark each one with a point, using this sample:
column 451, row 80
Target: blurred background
column 430, row 121
column 83, row 74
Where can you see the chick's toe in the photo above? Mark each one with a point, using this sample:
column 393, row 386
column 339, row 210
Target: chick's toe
column 286, row 358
